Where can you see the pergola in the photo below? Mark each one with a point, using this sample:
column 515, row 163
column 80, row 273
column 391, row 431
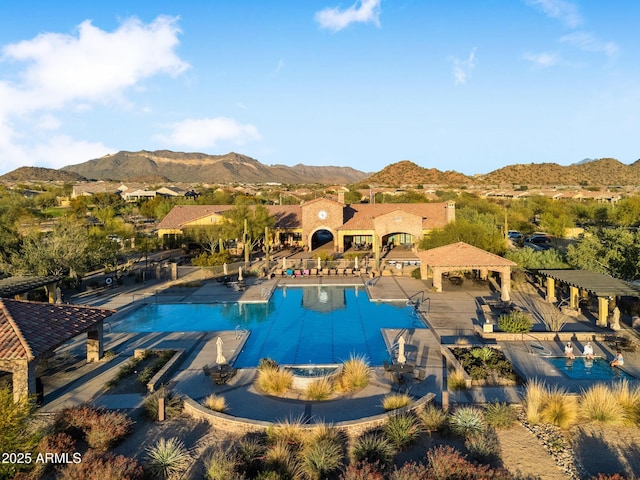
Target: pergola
column 460, row 257
column 604, row 287
column 29, row 331
column 18, row 287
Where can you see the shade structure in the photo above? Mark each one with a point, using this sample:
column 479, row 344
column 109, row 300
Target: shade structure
column 401, row 358
column 220, row 360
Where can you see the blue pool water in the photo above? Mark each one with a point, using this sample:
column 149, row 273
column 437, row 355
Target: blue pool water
column 582, row 369
column 311, row 325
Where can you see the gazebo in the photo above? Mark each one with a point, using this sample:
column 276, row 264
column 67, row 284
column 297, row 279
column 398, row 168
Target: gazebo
column 460, row 257
column 29, row 331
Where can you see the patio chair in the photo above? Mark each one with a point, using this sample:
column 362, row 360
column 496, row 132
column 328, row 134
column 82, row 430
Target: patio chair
column 348, row 271
column 306, row 272
column 289, row 272
column 279, row 272
column 340, row 271
column 314, row 271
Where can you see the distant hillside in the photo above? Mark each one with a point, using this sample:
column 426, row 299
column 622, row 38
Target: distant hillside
column 40, row 174
column 605, row 171
column 408, row 173
column 199, row 167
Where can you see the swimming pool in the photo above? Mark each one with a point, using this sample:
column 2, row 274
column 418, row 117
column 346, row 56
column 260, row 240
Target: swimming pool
column 298, row 326
column 583, row 369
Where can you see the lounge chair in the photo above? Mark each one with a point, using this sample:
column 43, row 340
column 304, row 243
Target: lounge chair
column 289, row 272
column 325, row 271
column 297, row 273
column 305, row 272
column 279, row 272
column 314, row 271
column 340, row 271
column 348, row 271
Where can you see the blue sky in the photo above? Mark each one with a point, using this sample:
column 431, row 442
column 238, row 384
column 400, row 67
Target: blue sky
column 465, row 85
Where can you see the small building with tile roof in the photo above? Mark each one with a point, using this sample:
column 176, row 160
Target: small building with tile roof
column 350, row 225
column 30, row 331
column 461, row 257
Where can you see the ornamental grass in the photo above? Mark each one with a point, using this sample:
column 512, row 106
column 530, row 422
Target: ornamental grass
column 533, row 400
column 456, row 380
column 274, row 380
column 320, row 389
column 355, row 374
column 599, row 403
column 395, row 401
column 215, row 402
column 560, row 408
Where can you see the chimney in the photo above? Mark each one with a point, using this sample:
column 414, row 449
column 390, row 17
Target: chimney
column 450, row 212
column 341, row 196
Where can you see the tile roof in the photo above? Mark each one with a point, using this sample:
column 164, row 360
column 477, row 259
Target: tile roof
column 359, row 216
column 12, row 286
column 29, row 329
column 462, row 255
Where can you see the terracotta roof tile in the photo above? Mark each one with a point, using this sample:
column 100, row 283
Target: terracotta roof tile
column 462, row 255
column 29, row 329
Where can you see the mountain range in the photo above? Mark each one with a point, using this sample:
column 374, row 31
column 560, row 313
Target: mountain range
column 167, row 166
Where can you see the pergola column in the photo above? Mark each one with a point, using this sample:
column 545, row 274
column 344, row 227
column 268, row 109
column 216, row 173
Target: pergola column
column 574, row 295
column 24, row 378
column 95, row 343
column 484, row 273
column 603, row 311
column 505, row 284
column 437, row 279
column 551, row 290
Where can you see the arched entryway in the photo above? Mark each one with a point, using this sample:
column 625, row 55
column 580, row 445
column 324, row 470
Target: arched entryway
column 322, row 238
column 398, row 239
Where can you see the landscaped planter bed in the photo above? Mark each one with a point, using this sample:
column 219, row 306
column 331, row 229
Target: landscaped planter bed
column 482, row 365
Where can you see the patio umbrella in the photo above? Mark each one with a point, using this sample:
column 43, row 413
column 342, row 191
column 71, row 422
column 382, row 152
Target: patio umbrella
column 220, row 360
column 239, row 274
column 401, row 358
column 225, row 270
column 319, row 266
column 356, row 263
column 284, row 263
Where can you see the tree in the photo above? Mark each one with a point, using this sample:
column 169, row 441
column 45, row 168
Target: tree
column 247, row 223
column 15, row 432
column 479, row 230
column 607, row 250
column 530, row 259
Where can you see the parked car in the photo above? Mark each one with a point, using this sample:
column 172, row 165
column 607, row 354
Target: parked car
column 514, row 235
column 539, row 239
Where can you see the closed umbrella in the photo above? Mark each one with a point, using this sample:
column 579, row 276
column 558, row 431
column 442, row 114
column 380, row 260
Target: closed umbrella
column 356, row 263
column 401, row 358
column 239, row 274
column 284, row 263
column 220, row 360
column 319, row 265
column 225, row 270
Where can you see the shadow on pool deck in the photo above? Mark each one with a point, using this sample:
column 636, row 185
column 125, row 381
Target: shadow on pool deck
column 450, row 315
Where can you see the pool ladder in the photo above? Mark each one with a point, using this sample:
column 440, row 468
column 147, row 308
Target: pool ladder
column 240, row 331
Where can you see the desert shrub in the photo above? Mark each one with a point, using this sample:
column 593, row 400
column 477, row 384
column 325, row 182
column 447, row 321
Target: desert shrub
column 168, row 458
column 372, row 449
column 274, row 380
column 467, row 421
column 500, row 415
column 15, row 435
column 108, row 429
column 281, row 458
column 57, row 443
column 484, row 447
column 433, row 418
column 515, row 322
column 291, row 430
column 559, row 408
column 249, row 451
column 266, row 362
column 456, row 380
column 99, row 467
column 534, row 397
column 321, row 458
column 215, row 402
column 319, row 389
column 362, row 471
column 221, row 465
column 402, row 429
column 599, row 403
column 445, row 463
column 483, row 353
column 355, row 374
column 172, row 404
column 628, row 397
column 100, row 428
column 410, row 471
column 395, row 400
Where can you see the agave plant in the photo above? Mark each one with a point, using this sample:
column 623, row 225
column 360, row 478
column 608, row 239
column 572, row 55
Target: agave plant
column 483, row 353
column 168, row 458
column 467, row 421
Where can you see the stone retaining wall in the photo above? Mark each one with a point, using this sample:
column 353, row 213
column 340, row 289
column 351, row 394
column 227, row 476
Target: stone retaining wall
column 240, row 426
column 167, row 370
column 541, row 336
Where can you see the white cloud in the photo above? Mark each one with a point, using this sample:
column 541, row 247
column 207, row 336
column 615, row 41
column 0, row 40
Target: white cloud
column 566, row 12
column 363, row 11
column 209, row 132
column 542, row 60
column 589, row 43
column 463, row 68
column 61, row 72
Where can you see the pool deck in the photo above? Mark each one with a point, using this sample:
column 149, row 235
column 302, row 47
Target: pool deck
column 451, row 316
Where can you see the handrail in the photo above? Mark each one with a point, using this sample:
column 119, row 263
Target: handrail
column 539, row 345
column 240, row 331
